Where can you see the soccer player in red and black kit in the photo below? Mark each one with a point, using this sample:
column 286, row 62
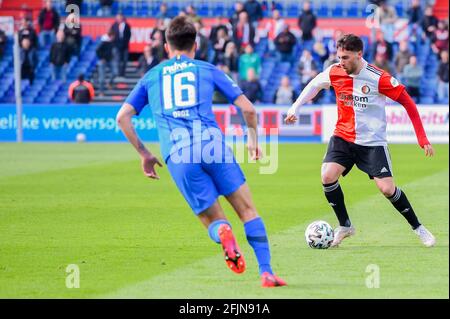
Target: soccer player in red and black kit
column 360, row 135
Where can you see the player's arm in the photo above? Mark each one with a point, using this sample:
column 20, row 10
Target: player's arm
column 390, row 87
column 321, row 81
column 408, row 103
column 251, row 119
column 134, row 103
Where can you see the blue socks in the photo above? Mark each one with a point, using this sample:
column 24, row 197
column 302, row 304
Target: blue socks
column 257, row 238
column 213, row 229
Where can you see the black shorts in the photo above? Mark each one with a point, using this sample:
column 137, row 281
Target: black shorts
column 375, row 161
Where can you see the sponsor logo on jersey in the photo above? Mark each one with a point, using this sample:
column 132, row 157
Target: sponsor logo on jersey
column 176, row 67
column 356, row 101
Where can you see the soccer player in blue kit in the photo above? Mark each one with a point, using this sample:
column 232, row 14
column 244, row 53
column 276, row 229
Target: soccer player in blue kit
column 179, row 92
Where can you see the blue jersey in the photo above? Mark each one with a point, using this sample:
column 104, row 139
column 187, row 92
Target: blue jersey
column 180, row 92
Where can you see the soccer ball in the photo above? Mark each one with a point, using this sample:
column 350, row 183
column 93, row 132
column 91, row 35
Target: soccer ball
column 319, row 235
column 81, row 137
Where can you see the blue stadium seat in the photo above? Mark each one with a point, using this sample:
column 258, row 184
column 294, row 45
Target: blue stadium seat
column 426, row 100
column 293, row 10
column 323, row 10
column 338, row 11
column 352, row 10
column 203, row 10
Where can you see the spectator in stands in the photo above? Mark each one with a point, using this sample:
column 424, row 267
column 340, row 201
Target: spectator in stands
column 238, row 8
column 48, row 23
column 429, row 23
column 72, row 32
column 243, row 32
column 254, row 11
column 274, row 27
column 332, row 59
column 3, row 41
column 307, row 22
column 220, row 23
column 415, row 14
column 285, row 94
column 202, row 43
column 442, row 89
column 158, row 46
column 381, row 46
column 440, row 40
column 59, row 57
column 285, row 43
column 415, row 17
column 105, row 8
column 219, row 46
column 81, row 91
column 147, row 60
column 382, row 63
column 163, row 12
column 122, row 36
column 105, row 54
column 387, row 16
column 319, row 51
column 26, row 30
column 251, row 86
column 231, row 60
column 249, row 60
column 161, row 26
column 402, row 58
column 28, row 60
column 192, row 13
column 307, row 68
column 412, row 73
column 331, row 44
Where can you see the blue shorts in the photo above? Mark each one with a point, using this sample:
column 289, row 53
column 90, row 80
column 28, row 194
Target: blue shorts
column 202, row 183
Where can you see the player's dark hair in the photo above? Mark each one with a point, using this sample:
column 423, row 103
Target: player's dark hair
column 350, row 42
column 181, row 34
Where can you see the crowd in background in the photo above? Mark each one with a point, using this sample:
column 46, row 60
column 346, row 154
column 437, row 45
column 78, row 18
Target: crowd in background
column 230, row 45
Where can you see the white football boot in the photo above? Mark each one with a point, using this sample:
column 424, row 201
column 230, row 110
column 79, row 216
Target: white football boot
column 340, row 233
column 426, row 237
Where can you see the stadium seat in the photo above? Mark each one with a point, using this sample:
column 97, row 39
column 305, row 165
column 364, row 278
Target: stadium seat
column 399, row 8
column 323, row 11
column 293, row 10
column 337, row 11
column 426, row 100
column 353, row 10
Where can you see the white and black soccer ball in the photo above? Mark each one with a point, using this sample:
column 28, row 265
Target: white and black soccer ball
column 319, row 235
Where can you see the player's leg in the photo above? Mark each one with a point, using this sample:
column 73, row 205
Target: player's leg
column 219, row 230
column 338, row 161
column 200, row 192
column 376, row 162
column 256, row 233
column 399, row 200
column 330, row 174
column 335, row 197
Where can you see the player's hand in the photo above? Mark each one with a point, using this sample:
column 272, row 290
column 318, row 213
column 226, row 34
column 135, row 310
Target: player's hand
column 254, row 151
column 429, row 151
column 148, row 166
column 290, row 118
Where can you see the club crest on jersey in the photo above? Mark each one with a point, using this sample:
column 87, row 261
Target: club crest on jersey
column 365, row 89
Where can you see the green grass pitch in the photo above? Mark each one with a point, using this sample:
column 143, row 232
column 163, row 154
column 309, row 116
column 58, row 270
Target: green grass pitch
column 131, row 237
